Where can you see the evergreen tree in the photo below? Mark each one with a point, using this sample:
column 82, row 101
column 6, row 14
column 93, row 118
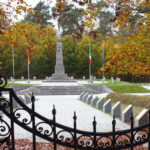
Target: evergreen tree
column 39, row 15
column 70, row 19
column 105, row 26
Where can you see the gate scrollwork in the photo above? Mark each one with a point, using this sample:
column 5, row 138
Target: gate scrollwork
column 44, row 128
column 5, row 131
column 23, row 116
column 3, row 81
column 64, row 136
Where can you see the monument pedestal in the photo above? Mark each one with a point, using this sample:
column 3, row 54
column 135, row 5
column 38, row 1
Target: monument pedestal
column 59, row 75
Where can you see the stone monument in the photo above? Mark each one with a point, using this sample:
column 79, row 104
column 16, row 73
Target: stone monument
column 59, row 75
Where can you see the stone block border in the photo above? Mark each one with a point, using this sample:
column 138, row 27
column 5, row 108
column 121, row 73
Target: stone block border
column 125, row 115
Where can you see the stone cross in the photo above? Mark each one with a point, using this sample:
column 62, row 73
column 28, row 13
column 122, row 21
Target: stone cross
column 34, row 77
column 112, row 80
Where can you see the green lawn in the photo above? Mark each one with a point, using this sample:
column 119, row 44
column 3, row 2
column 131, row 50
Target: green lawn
column 17, row 84
column 125, row 87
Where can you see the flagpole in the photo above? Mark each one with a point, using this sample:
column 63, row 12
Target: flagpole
column 103, row 57
column 28, row 68
column 13, row 63
column 28, row 73
column 89, row 60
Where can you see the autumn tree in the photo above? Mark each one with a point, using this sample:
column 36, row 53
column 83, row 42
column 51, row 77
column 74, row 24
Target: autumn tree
column 28, row 41
column 10, row 10
column 118, row 32
column 131, row 57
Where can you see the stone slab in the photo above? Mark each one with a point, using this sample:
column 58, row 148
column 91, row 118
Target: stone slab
column 89, row 99
column 127, row 113
column 142, row 118
column 81, row 96
column 85, row 97
column 15, row 104
column 107, row 106
column 22, row 99
column 27, row 98
column 100, row 103
column 94, row 101
column 116, row 109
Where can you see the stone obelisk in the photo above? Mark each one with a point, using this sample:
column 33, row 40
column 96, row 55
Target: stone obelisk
column 59, row 67
column 59, row 75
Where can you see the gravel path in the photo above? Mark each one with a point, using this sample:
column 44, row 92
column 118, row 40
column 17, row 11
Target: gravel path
column 65, row 107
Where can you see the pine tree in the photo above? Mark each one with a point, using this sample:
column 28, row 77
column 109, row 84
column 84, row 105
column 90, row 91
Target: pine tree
column 104, row 16
column 39, row 15
column 69, row 19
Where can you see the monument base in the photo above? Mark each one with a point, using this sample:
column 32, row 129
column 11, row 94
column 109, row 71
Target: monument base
column 57, row 77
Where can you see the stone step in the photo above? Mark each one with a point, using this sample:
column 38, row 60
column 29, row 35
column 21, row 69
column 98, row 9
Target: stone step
column 63, row 90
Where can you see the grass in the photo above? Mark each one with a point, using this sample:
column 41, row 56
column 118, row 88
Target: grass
column 140, row 101
column 125, row 87
column 17, row 84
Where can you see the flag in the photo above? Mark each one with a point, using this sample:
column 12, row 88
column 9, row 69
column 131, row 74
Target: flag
column 90, row 60
column 28, row 59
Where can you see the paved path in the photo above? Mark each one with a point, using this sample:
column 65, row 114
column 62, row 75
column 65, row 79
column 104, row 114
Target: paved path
column 65, row 106
column 147, row 87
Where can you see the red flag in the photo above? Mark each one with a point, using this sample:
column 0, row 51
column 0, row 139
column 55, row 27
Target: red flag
column 28, row 59
column 90, row 60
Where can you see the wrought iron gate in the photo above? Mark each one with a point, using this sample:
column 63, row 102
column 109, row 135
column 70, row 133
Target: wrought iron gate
column 60, row 134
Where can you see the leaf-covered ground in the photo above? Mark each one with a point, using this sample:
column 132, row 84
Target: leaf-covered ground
column 24, row 144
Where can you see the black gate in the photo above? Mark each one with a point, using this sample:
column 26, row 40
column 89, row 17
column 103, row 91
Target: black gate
column 60, row 134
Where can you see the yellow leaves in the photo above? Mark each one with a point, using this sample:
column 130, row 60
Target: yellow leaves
column 20, row 8
column 29, row 10
column 22, row 2
column 28, row 37
column 116, row 46
column 100, row 8
column 131, row 56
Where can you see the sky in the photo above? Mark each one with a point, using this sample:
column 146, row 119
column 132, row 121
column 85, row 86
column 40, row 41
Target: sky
column 51, row 3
